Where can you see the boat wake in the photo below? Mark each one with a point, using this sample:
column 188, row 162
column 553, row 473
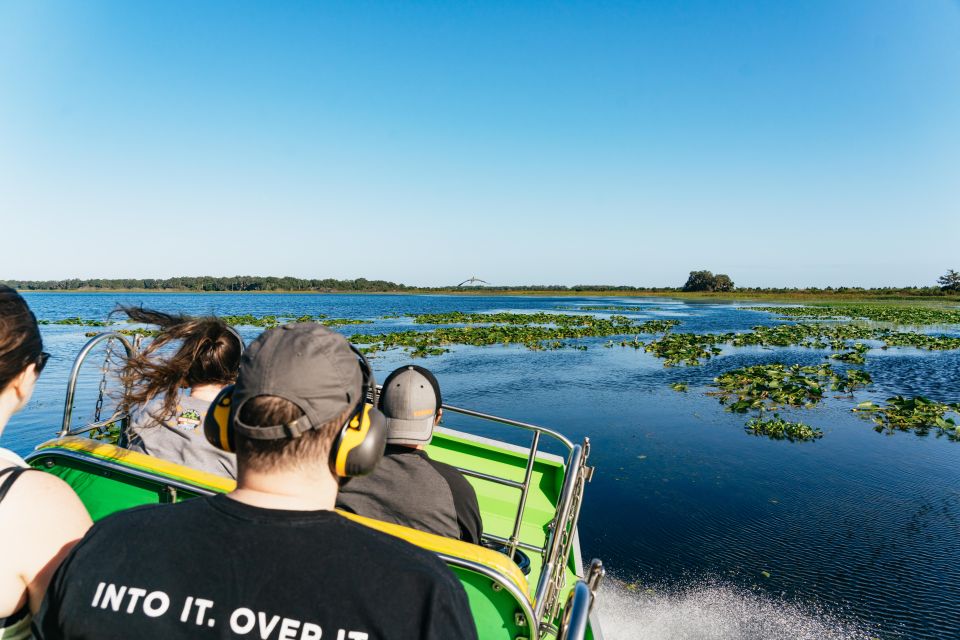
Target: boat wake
column 713, row 612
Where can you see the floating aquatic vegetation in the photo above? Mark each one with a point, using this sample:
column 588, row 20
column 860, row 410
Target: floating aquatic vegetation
column 540, row 318
column 691, row 348
column 144, row 333
column 679, row 386
column 423, row 351
column 248, row 320
column 920, row 341
column 536, row 331
column 77, row 322
column 771, row 386
column 912, row 315
column 109, row 433
column 602, row 307
column 918, row 414
column 856, row 356
column 776, row 428
column 270, row 321
column 342, row 322
column 684, row 348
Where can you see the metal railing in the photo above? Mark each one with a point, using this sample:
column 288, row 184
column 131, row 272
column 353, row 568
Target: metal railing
column 65, row 429
column 130, row 348
column 555, row 553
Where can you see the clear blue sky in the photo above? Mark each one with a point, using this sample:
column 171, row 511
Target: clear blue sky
column 784, row 143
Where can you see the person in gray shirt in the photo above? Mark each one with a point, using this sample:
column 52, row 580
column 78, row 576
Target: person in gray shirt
column 170, row 384
column 407, row 487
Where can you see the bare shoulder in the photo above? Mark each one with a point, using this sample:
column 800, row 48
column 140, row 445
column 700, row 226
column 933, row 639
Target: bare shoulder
column 39, row 497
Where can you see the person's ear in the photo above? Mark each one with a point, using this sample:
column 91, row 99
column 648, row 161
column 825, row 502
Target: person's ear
column 24, row 382
column 436, row 420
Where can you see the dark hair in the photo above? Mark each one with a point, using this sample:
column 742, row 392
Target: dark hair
column 267, row 455
column 20, row 341
column 209, row 353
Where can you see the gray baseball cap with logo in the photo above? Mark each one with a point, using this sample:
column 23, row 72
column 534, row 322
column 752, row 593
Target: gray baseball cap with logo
column 410, row 400
column 305, row 363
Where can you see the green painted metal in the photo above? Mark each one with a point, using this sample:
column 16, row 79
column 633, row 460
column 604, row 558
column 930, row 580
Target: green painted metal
column 104, row 491
column 498, row 503
column 493, row 611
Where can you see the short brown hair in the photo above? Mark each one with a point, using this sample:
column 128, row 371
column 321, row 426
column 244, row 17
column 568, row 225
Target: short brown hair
column 20, row 341
column 269, row 455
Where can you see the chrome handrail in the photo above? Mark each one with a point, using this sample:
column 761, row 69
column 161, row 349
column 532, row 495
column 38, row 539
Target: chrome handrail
column 555, row 552
column 513, row 423
column 117, row 469
column 576, row 613
column 559, row 543
column 75, row 374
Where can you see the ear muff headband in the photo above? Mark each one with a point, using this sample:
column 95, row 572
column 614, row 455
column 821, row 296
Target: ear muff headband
column 357, row 448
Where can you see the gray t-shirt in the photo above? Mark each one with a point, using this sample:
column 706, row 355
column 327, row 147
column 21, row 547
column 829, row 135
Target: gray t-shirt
column 180, row 439
column 409, row 488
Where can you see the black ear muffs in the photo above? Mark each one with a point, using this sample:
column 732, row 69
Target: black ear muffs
column 217, row 424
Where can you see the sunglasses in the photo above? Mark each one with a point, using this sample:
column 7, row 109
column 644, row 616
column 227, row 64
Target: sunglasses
column 41, row 361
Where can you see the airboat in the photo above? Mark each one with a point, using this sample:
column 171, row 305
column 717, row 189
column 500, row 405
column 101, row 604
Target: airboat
column 526, row 582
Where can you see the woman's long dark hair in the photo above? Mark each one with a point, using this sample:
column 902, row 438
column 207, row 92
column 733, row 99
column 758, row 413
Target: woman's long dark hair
column 209, row 353
column 20, row 341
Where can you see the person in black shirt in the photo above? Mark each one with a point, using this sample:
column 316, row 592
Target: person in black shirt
column 270, row 560
column 408, row 487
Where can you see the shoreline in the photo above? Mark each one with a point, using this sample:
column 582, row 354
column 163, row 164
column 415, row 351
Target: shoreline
column 734, row 296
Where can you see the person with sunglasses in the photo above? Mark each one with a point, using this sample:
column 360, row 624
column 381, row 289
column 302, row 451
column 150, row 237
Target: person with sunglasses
column 41, row 518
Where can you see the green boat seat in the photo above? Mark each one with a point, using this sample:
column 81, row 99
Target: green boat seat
column 108, row 478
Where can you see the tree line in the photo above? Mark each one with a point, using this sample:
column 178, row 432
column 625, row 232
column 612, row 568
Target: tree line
column 702, row 281
column 209, row 283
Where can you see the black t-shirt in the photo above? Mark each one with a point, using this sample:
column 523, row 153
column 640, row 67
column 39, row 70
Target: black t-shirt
column 217, row 568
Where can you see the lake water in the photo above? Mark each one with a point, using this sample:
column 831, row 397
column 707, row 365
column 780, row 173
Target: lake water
column 726, row 534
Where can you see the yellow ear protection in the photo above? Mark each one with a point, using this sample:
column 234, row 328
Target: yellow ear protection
column 355, row 451
column 216, row 424
column 362, row 440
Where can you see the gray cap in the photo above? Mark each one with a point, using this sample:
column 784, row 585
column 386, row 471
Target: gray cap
column 410, row 400
column 305, row 363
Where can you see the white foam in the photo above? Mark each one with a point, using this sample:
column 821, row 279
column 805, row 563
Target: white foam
column 712, row 612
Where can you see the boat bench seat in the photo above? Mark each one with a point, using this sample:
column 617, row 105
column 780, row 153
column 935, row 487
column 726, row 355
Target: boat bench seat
column 108, row 478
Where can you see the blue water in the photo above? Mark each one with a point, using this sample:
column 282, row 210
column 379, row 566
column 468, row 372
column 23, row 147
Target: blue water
column 860, row 527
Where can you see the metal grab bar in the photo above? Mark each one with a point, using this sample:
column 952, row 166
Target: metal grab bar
column 550, row 583
column 75, row 373
column 490, row 478
column 576, row 613
column 526, row 546
column 513, row 423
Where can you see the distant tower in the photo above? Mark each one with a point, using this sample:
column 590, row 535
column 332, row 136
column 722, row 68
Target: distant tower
column 472, row 280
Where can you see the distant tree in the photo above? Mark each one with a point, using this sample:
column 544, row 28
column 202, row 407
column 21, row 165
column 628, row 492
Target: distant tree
column 722, row 282
column 700, row 281
column 950, row 281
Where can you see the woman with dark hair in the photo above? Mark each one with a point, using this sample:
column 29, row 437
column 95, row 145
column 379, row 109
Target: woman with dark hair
column 41, row 518
column 168, row 392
